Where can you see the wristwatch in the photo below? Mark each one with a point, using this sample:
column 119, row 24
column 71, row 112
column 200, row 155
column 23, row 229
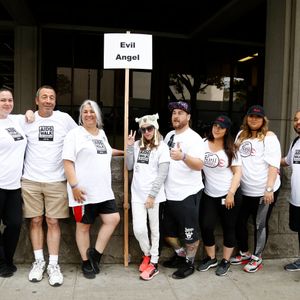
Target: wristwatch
column 269, row 189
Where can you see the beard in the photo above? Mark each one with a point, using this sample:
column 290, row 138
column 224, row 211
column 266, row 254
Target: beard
column 297, row 129
column 178, row 125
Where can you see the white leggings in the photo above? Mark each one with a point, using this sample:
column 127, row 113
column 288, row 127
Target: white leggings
column 140, row 228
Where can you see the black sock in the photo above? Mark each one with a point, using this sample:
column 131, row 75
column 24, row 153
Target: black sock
column 98, row 255
column 86, row 262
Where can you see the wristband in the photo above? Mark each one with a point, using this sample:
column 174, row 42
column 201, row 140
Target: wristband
column 184, row 156
column 74, row 186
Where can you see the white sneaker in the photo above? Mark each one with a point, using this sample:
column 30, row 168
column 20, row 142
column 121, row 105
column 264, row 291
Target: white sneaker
column 37, row 271
column 55, row 276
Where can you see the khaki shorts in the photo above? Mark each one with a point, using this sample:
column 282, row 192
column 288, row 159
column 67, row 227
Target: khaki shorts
column 42, row 198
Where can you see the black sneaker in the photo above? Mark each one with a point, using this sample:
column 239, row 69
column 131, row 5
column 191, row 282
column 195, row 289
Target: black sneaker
column 5, row 270
column 186, row 270
column 174, row 262
column 94, row 257
column 87, row 270
column 207, row 263
column 12, row 267
column 223, row 267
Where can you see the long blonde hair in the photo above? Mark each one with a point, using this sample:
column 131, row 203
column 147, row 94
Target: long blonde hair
column 247, row 134
column 153, row 143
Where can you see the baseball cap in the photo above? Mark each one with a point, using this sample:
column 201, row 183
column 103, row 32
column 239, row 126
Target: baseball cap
column 256, row 110
column 183, row 105
column 223, row 121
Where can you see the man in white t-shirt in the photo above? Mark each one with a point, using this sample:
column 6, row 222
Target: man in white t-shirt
column 293, row 160
column 44, row 184
column 183, row 190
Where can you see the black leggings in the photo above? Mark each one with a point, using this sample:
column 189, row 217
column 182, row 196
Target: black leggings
column 11, row 216
column 260, row 213
column 210, row 210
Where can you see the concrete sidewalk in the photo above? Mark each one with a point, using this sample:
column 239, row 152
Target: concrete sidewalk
column 119, row 282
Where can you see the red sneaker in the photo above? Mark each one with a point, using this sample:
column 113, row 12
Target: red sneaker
column 149, row 273
column 145, row 263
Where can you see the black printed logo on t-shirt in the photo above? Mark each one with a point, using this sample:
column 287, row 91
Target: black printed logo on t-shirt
column 296, row 158
column 46, row 133
column 143, row 157
column 100, row 147
column 15, row 134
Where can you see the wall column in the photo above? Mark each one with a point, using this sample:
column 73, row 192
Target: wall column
column 26, row 63
column 282, row 67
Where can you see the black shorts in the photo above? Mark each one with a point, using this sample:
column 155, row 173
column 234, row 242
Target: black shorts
column 88, row 213
column 294, row 218
column 181, row 218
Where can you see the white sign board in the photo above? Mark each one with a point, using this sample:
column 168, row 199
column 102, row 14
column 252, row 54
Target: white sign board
column 127, row 51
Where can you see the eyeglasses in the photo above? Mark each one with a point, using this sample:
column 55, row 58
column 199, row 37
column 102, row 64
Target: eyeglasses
column 144, row 129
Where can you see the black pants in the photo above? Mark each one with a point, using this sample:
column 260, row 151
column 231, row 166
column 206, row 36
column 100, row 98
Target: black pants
column 211, row 209
column 260, row 212
column 11, row 216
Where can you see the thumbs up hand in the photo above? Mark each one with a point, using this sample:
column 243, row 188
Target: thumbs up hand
column 176, row 152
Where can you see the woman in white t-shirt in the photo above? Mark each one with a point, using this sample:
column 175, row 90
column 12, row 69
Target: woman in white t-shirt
column 87, row 158
column 260, row 182
column 12, row 147
column 149, row 158
column 221, row 197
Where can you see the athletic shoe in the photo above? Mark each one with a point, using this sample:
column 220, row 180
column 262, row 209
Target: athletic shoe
column 87, row 270
column 254, row 264
column 207, row 263
column 294, row 266
column 37, row 271
column 94, row 257
column 55, row 277
column 12, row 267
column 241, row 259
column 175, row 262
column 145, row 263
column 150, row 272
column 223, row 267
column 5, row 270
column 186, row 270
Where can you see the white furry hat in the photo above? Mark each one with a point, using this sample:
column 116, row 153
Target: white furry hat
column 148, row 120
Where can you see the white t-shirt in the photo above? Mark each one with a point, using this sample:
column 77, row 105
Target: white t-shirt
column 182, row 181
column 92, row 158
column 257, row 156
column 12, row 147
column 43, row 162
column 145, row 171
column 218, row 175
column 293, row 160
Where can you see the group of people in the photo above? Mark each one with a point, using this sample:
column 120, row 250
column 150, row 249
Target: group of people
column 200, row 180
column 181, row 185
column 39, row 153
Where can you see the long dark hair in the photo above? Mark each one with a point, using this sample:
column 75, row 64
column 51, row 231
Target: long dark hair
column 229, row 146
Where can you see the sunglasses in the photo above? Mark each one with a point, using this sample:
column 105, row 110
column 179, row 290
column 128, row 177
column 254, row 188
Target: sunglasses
column 144, row 129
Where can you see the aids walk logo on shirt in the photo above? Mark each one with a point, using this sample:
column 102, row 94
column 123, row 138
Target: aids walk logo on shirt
column 143, row 157
column 15, row 134
column 296, row 159
column 46, row 133
column 100, row 147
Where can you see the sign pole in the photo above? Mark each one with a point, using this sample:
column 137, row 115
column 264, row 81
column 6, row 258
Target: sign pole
column 127, row 51
column 126, row 205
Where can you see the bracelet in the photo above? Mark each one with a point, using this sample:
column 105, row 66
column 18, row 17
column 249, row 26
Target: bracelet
column 184, row 156
column 74, row 186
column 231, row 192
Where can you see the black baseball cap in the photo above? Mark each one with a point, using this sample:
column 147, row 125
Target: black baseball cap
column 256, row 110
column 223, row 121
